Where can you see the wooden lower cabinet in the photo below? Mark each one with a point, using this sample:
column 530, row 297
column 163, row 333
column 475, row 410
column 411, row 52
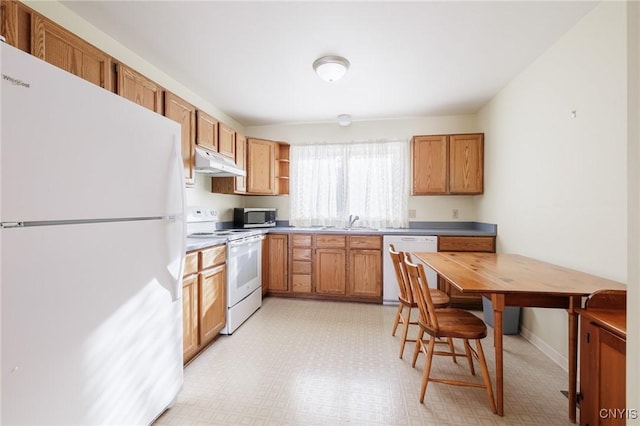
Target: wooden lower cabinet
column 326, row 266
column 365, row 267
column 275, row 263
column 203, row 298
column 330, row 267
column 190, row 335
column 603, row 346
column 301, row 265
column 464, row 244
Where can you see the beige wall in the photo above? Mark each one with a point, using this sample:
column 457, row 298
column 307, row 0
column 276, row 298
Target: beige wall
column 428, row 208
column 555, row 184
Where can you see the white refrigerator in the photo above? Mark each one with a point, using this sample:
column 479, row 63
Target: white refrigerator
column 92, row 247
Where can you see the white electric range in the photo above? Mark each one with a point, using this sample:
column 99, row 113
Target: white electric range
column 244, row 263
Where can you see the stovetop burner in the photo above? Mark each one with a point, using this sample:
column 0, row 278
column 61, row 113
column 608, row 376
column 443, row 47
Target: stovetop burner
column 202, row 223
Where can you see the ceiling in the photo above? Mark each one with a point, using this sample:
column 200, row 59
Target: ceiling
column 253, row 60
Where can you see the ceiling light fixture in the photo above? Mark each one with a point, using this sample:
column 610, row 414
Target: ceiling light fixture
column 331, row 68
column 344, row 120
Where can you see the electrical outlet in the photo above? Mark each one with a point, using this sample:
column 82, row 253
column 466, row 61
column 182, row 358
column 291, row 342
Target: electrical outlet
column 455, row 213
column 412, row 213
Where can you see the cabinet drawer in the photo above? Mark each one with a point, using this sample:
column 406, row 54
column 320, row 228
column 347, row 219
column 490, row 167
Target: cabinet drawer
column 301, row 240
column 301, row 283
column 482, row 244
column 365, row 242
column 191, row 263
column 301, row 254
column 331, row 241
column 298, row 267
column 213, row 256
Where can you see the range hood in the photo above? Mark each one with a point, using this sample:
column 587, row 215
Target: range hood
column 216, row 165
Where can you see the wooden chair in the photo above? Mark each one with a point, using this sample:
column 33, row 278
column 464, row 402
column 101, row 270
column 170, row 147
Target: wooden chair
column 440, row 298
column 447, row 323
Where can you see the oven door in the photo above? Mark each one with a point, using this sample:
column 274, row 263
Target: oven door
column 244, row 268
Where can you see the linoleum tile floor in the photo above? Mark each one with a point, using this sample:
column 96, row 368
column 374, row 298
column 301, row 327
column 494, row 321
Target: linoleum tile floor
column 306, row 362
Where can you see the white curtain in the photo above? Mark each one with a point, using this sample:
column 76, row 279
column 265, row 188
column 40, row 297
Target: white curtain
column 329, row 182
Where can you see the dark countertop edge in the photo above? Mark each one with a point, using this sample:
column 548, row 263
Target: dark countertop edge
column 415, row 228
column 462, row 229
column 200, row 243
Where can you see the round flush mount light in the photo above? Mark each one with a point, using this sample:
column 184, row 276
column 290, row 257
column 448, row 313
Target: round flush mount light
column 331, row 68
column 344, row 120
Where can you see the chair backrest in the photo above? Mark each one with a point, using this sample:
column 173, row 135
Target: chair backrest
column 422, row 295
column 397, row 257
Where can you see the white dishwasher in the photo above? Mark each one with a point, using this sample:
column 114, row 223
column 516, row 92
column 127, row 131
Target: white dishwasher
column 405, row 243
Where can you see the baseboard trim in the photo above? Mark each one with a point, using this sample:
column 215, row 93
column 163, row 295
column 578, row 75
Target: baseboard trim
column 553, row 354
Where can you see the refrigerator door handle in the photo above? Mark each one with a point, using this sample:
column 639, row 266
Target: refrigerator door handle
column 176, row 193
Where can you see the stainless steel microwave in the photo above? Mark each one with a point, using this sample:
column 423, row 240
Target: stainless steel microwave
column 256, row 217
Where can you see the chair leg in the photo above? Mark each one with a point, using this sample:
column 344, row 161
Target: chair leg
column 407, row 323
column 467, row 350
column 397, row 319
column 452, row 349
column 416, row 350
column 485, row 376
column 427, row 368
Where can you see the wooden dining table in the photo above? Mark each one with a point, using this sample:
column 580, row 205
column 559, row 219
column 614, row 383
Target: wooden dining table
column 515, row 280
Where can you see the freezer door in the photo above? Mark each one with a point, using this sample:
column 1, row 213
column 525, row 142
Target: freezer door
column 91, row 323
column 72, row 150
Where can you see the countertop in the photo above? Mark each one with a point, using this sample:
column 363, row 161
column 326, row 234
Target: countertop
column 471, row 229
column 415, row 228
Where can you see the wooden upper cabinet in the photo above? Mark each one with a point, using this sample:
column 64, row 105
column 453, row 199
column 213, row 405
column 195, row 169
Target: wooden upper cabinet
column 227, row 141
column 466, row 164
column 15, row 24
column 241, row 161
column 429, row 164
column 184, row 113
column 261, row 155
column 139, row 89
column 63, row 49
column 207, row 133
column 447, row 164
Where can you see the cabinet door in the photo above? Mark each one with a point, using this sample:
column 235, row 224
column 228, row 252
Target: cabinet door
column 184, row 113
column 261, row 167
column 241, row 161
column 277, row 278
column 15, row 24
column 330, row 271
column 602, row 375
column 466, row 164
column 212, row 302
column 61, row 48
column 227, row 141
column 190, row 337
column 139, row 89
column 429, row 165
column 207, row 132
column 365, row 273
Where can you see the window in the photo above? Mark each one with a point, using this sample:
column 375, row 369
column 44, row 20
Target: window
column 332, row 181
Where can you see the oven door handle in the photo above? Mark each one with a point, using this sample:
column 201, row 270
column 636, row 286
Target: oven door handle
column 245, row 242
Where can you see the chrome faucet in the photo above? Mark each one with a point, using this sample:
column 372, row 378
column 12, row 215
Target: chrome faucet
column 352, row 220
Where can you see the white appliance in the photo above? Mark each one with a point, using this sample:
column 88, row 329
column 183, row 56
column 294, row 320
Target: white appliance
column 92, row 251
column 405, row 243
column 244, row 264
